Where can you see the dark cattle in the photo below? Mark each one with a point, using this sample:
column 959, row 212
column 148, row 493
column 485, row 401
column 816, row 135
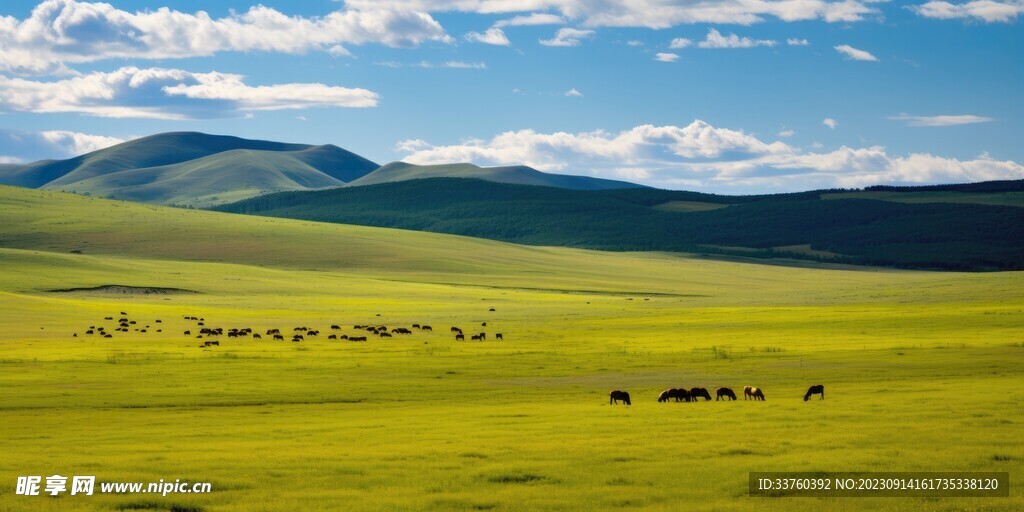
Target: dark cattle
column 200, row 323
column 815, row 390
column 696, row 393
column 75, row 335
column 415, row 326
column 483, row 336
column 232, row 334
column 615, row 396
column 207, row 343
column 460, row 336
column 108, row 336
column 456, row 329
column 343, row 337
column 426, row 328
column 492, row 309
column 312, row 333
column 753, row 393
column 665, row 396
column 473, row 337
column 159, row 330
column 724, row 393
column 333, row 337
column 159, row 321
column 123, row 313
column 357, row 338
column 385, row 335
column 335, row 327
column 273, row 331
column 108, row 318
column 257, row 337
column 278, row 337
column 89, row 331
column 498, row 336
column 483, row 324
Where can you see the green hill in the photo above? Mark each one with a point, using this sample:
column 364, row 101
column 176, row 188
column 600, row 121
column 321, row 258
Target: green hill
column 857, row 231
column 219, row 178
column 518, row 174
column 195, row 169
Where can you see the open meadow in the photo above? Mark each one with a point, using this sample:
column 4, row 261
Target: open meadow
column 923, row 370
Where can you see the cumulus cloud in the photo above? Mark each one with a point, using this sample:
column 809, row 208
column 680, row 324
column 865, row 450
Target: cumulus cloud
column 715, row 39
column 989, row 11
column 797, row 42
column 493, row 35
column 941, row 120
column 656, row 14
column 567, row 37
column 680, row 42
column 574, row 92
column 855, row 54
column 22, row 146
column 666, row 57
column 159, row 93
column 787, row 133
column 532, row 19
column 60, row 32
column 702, row 156
column 831, row 123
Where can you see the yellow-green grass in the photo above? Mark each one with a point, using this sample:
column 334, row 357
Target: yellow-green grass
column 997, row 198
column 922, row 370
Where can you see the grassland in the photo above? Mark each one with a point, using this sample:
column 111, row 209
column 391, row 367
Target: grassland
column 922, row 369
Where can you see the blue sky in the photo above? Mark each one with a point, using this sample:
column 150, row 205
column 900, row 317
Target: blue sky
column 753, row 96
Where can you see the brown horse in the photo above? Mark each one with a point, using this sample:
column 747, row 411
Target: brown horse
column 815, row 390
column 724, row 392
column 696, row 393
column 753, row 393
column 615, row 396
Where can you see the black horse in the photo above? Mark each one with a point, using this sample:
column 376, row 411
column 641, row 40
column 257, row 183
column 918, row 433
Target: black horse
column 815, row 390
column 724, row 392
column 615, row 396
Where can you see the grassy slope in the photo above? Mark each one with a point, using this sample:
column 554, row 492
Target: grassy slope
column 952, row 236
column 991, row 198
column 519, row 175
column 917, row 366
column 220, row 178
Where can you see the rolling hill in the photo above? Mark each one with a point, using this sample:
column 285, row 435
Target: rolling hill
column 851, row 230
column 188, row 168
column 519, row 175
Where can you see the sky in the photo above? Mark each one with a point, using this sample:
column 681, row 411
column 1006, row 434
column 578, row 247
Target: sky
column 727, row 96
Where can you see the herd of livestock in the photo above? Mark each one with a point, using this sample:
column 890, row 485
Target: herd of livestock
column 211, row 335
column 695, row 394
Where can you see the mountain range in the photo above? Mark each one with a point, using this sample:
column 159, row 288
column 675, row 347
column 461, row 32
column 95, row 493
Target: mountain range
column 201, row 170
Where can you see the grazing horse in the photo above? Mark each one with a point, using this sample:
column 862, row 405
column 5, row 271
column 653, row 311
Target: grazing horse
column 815, row 390
column 724, row 392
column 753, row 393
column 615, row 396
column 696, row 393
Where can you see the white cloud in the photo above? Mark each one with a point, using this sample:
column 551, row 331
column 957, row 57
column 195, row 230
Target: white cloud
column 831, row 123
column 941, row 120
column 159, row 93
column 990, row 11
column 656, row 14
column 573, row 92
column 680, row 42
column 715, row 39
column 855, row 54
column 787, row 133
column 797, row 42
column 493, row 35
column 635, row 43
column 666, row 57
column 567, row 37
column 22, row 146
column 60, row 32
column 706, row 157
column 532, row 19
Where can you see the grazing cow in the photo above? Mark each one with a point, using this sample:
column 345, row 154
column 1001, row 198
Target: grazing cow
column 753, row 393
column 696, row 393
column 460, row 336
column 123, row 313
column 215, row 343
column 492, row 309
column 456, row 329
column 108, row 318
column 159, row 321
column 426, row 328
column 89, row 331
column 273, row 331
column 724, row 392
column 483, row 336
column 473, row 337
column 357, row 338
column 498, row 336
column 385, row 335
column 415, row 326
column 483, row 324
column 278, row 337
column 665, row 395
column 75, row 335
column 343, row 337
column 615, row 396
column 257, row 337
column 815, row 390
column 333, row 337
column 108, row 336
column 335, row 327
column 207, row 343
column 159, row 330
